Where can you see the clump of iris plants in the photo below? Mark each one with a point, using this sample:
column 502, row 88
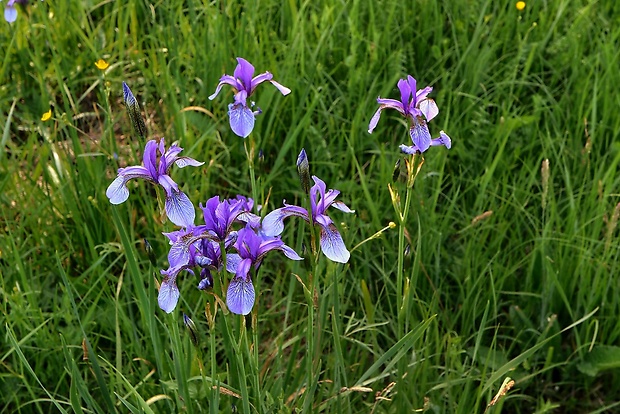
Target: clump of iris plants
column 230, row 242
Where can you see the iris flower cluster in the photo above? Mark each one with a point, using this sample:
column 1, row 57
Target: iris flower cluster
column 229, row 236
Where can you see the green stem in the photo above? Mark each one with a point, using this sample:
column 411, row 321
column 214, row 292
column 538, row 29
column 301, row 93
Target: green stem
column 401, row 263
column 249, row 153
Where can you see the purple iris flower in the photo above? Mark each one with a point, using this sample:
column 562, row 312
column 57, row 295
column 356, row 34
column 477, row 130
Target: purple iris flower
column 240, row 113
column 204, row 253
column 415, row 106
column 251, row 248
column 331, row 241
column 10, row 12
column 179, row 208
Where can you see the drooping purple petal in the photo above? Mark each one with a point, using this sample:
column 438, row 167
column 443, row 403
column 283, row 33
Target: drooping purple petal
column 420, row 135
column 10, row 13
column 168, row 296
column 374, row 120
column 117, row 191
column 240, row 296
column 273, row 223
column 443, row 139
column 342, row 207
column 332, row 244
column 183, row 162
column 290, row 253
column 429, row 108
column 224, row 80
column 409, row 149
column 283, row 89
column 180, row 209
column 241, row 120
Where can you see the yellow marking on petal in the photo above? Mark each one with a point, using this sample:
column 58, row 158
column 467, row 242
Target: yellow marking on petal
column 102, row 64
column 46, row 116
column 520, row 5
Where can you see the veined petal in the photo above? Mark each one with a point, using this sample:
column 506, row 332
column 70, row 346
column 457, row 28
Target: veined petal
column 241, row 120
column 429, row 108
column 168, row 184
column 443, row 139
column 10, row 13
column 423, row 93
column 290, row 253
column 117, row 191
column 419, row 134
column 273, row 223
column 342, row 207
column 244, row 72
column 240, row 295
column 409, row 149
column 183, row 162
column 180, row 210
column 224, row 80
column 232, row 262
column 168, row 296
column 332, row 244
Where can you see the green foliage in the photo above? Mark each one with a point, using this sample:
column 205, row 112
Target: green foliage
column 526, row 290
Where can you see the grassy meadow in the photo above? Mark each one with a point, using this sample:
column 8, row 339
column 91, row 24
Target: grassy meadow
column 502, row 265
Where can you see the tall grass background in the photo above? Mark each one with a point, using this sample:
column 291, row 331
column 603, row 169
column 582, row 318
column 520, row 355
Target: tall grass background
column 505, row 275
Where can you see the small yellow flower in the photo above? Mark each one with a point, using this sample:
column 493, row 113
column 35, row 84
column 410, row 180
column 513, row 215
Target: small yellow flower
column 520, row 5
column 102, row 64
column 46, row 116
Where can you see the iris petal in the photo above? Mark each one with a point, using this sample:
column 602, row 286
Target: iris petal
column 168, row 295
column 332, row 244
column 117, row 191
column 240, row 295
column 241, row 120
column 419, row 134
column 180, row 209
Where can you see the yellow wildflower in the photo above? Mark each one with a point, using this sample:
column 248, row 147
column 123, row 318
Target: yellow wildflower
column 46, row 116
column 102, row 64
column 520, row 5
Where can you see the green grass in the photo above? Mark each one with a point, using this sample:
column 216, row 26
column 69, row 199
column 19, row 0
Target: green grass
column 526, row 291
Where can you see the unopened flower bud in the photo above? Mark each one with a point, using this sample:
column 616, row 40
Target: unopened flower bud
column 303, row 168
column 133, row 109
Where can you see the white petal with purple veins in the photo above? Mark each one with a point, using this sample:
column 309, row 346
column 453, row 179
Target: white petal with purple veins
column 241, row 120
column 332, row 244
column 240, row 296
column 168, row 295
column 180, row 209
column 429, row 108
column 182, row 162
column 117, row 191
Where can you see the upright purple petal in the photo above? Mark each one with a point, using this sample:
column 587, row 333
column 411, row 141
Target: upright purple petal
column 244, row 72
column 405, row 91
column 241, row 120
column 419, row 134
column 168, row 296
column 149, row 158
column 180, row 209
column 332, row 244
